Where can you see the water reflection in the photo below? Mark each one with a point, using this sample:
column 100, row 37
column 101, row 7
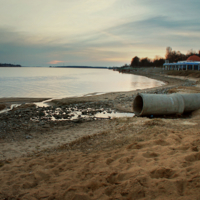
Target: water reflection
column 59, row 83
column 141, row 82
column 113, row 114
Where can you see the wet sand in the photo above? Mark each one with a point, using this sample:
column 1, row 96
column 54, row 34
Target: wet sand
column 15, row 100
column 123, row 158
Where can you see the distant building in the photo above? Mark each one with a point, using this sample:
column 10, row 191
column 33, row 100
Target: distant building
column 192, row 63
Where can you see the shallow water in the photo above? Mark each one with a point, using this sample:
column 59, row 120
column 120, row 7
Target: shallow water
column 76, row 113
column 67, row 82
column 11, row 107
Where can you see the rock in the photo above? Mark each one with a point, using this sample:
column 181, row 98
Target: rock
column 46, row 126
column 57, row 116
column 41, row 123
column 65, row 116
column 2, row 106
column 29, row 137
column 77, row 120
column 41, row 114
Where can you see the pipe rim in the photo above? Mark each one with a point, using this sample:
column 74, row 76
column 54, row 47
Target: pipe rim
column 138, row 105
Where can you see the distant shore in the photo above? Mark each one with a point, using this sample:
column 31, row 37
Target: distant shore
column 90, row 67
column 9, row 65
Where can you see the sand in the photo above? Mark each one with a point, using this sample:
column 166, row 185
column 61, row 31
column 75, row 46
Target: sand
column 123, row 158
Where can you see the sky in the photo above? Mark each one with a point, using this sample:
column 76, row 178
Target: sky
column 95, row 33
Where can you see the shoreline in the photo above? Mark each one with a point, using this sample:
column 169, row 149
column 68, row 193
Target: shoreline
column 127, row 96
column 150, row 72
column 167, row 81
column 123, row 158
column 117, row 101
column 8, row 101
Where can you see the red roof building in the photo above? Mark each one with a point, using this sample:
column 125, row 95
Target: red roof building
column 193, row 58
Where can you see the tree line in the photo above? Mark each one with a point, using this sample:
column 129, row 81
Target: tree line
column 172, row 56
column 8, row 65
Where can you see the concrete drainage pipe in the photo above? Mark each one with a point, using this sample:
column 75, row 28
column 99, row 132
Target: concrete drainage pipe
column 159, row 104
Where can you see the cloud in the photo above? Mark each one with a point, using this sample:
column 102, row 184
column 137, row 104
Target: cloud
column 95, row 33
column 159, row 31
column 54, row 62
column 153, row 24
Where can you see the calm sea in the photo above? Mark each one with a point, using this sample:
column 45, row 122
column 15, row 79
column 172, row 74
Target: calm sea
column 67, row 82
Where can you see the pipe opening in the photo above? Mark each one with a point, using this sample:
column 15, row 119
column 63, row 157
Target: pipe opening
column 138, row 105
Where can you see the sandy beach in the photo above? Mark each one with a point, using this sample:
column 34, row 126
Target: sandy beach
column 120, row 158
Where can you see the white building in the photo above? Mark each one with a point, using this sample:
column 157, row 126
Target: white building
column 192, row 63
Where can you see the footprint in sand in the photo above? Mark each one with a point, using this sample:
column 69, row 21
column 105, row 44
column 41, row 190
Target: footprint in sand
column 193, row 157
column 162, row 173
column 150, row 154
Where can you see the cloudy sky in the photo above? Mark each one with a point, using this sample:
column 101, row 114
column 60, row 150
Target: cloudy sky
column 97, row 33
